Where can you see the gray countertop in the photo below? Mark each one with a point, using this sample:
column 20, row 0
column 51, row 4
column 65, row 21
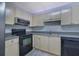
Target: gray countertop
column 61, row 34
column 8, row 36
column 48, row 33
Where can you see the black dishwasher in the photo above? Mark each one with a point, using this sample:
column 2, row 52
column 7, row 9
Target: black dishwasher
column 69, row 46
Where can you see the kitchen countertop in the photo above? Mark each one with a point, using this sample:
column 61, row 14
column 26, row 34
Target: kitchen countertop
column 8, row 36
column 48, row 33
column 61, row 34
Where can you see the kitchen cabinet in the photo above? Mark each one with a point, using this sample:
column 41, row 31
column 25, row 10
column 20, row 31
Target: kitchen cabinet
column 54, row 45
column 10, row 14
column 66, row 16
column 37, row 20
column 55, row 16
column 70, row 16
column 23, row 14
column 40, row 42
column 36, row 41
column 44, row 43
column 12, row 47
column 51, row 44
column 75, row 14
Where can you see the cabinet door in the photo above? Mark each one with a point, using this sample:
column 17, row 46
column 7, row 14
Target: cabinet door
column 10, row 14
column 44, row 43
column 37, row 20
column 36, row 41
column 12, row 50
column 66, row 16
column 55, row 45
column 12, row 47
column 54, row 16
column 75, row 14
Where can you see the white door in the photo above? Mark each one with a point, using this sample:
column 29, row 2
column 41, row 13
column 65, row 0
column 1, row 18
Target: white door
column 66, row 16
column 55, row 45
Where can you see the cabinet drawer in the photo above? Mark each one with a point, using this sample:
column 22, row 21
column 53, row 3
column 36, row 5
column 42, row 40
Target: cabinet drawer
column 11, row 42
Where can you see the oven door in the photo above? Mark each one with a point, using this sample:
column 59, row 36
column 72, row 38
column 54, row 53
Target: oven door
column 25, row 44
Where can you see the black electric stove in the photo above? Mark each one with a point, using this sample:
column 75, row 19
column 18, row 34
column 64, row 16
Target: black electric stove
column 25, row 41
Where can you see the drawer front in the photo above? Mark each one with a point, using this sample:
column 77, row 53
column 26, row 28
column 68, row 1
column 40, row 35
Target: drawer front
column 12, row 42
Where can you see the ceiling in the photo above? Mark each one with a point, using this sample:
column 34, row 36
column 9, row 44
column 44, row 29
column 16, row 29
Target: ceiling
column 38, row 7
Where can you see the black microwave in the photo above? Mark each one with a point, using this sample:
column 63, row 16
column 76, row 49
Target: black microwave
column 19, row 21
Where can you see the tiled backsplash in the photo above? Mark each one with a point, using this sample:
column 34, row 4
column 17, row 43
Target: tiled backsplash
column 8, row 28
column 72, row 28
column 58, row 28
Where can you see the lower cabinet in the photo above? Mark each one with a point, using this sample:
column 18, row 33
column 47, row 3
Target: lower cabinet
column 54, row 45
column 12, row 50
column 12, row 47
column 51, row 44
column 36, row 41
column 44, row 43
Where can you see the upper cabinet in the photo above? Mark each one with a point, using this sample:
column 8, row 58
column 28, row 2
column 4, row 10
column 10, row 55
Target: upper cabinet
column 37, row 20
column 75, row 14
column 70, row 15
column 66, row 15
column 10, row 14
column 22, row 14
column 54, row 16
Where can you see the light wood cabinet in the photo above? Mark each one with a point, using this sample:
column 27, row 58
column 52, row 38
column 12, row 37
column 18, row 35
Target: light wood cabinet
column 40, row 42
column 54, row 45
column 51, row 44
column 66, row 16
column 75, row 14
column 23, row 14
column 10, row 14
column 36, row 41
column 12, row 47
column 70, row 15
column 55, row 15
column 37, row 20
column 44, row 43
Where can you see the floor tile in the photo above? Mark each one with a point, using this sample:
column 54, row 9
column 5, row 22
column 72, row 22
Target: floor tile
column 36, row 52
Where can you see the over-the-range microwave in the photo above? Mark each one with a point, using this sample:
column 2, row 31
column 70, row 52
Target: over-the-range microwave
column 19, row 21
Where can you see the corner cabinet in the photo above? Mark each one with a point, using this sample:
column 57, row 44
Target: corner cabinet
column 40, row 42
column 51, row 44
